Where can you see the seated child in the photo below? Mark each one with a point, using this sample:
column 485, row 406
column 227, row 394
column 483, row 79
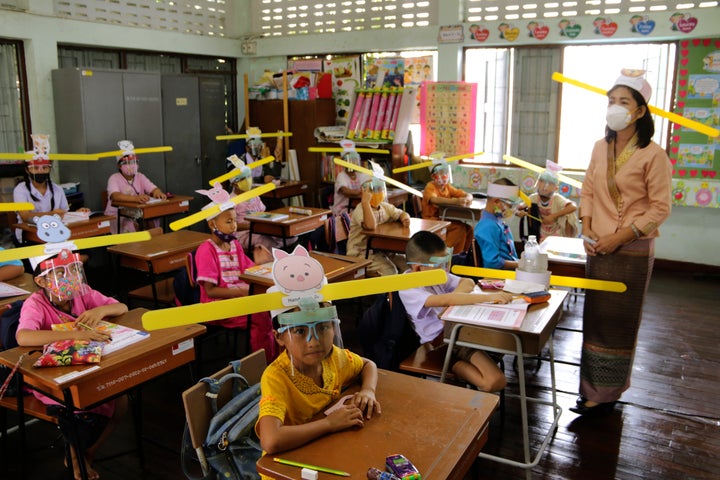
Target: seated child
column 64, row 296
column 10, row 269
column 425, row 251
column 129, row 185
column 307, row 377
column 347, row 184
column 556, row 212
column 373, row 211
column 492, row 233
column 220, row 260
column 242, row 183
column 439, row 193
column 37, row 187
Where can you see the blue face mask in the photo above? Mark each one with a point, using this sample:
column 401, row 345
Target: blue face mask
column 225, row 237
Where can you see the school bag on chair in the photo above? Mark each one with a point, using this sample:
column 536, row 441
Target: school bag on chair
column 231, row 448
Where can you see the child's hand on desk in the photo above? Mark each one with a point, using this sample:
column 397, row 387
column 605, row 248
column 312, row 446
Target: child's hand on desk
column 142, row 198
column 92, row 335
column 345, row 417
column 90, row 317
column 159, row 194
column 365, row 401
column 500, row 297
column 405, row 219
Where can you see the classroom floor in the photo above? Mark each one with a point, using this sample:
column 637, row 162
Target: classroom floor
column 667, row 425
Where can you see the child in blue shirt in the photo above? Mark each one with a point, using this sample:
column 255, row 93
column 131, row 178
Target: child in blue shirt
column 492, row 233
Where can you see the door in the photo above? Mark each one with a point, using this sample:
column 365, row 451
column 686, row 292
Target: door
column 181, row 127
column 212, row 123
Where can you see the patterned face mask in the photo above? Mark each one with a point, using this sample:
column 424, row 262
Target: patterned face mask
column 64, row 288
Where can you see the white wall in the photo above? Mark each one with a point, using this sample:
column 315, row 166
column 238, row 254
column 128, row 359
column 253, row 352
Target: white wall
column 690, row 235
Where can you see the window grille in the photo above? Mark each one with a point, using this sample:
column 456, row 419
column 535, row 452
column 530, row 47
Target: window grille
column 298, row 17
column 498, row 10
column 198, row 17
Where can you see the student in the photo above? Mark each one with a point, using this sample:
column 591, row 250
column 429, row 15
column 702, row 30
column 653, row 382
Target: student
column 10, row 269
column 439, row 193
column 257, row 149
column 373, row 211
column 129, row 185
column 37, row 187
column 64, row 296
column 307, row 377
column 556, row 212
column 426, row 251
column 242, row 183
column 491, row 232
column 347, row 184
column 220, row 260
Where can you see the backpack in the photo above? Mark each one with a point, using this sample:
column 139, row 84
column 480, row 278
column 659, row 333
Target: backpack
column 9, row 321
column 187, row 291
column 231, row 446
column 386, row 335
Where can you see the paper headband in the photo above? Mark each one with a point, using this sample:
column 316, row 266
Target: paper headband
column 506, row 192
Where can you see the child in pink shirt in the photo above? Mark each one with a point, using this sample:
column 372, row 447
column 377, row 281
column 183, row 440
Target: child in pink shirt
column 129, row 185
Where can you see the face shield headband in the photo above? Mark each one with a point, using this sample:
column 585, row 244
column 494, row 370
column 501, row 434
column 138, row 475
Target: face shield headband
column 442, row 262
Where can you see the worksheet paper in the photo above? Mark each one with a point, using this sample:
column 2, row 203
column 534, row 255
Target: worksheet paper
column 510, row 315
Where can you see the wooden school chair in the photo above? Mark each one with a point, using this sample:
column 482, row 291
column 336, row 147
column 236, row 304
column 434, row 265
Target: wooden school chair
column 198, row 411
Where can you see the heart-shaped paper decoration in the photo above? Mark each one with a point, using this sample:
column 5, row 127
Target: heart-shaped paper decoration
column 687, row 25
column 682, row 172
column 608, row 29
column 541, row 32
column 572, row 31
column 645, row 27
column 481, row 34
column 511, row 34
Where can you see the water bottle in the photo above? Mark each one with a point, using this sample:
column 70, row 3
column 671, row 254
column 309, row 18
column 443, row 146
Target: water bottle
column 375, row 474
column 531, row 254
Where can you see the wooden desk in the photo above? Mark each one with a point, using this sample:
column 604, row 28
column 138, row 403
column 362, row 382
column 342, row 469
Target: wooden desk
column 148, row 211
column 338, row 268
column 99, row 225
column 528, row 340
column 26, row 282
column 393, row 237
column 287, row 189
column 566, row 256
column 116, row 373
column 160, row 254
column 395, row 196
column 440, row 428
column 295, row 224
column 460, row 213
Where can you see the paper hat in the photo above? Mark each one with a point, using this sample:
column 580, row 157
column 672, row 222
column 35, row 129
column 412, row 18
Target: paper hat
column 505, row 192
column 219, row 197
column 634, row 79
column 127, row 148
column 551, row 173
column 254, row 133
column 310, row 312
column 61, row 259
column 41, row 149
column 239, row 164
column 438, row 160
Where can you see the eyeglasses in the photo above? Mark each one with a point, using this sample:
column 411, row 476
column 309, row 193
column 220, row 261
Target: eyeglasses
column 307, row 330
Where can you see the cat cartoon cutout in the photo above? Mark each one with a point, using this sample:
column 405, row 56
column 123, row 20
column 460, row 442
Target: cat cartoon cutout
column 297, row 275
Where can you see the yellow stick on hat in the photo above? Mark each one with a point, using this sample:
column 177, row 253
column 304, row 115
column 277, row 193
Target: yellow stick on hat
column 52, row 156
column 245, row 135
column 539, row 169
column 389, row 180
column 556, row 280
column 206, row 312
column 236, row 171
column 430, row 163
column 673, row 117
column 16, row 206
column 138, row 151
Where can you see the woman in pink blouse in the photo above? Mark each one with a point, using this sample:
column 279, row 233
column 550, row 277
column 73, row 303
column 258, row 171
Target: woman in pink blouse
column 626, row 196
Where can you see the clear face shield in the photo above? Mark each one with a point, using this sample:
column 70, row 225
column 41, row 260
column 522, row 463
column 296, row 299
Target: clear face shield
column 441, row 174
column 547, row 184
column 437, row 261
column 129, row 165
column 243, row 181
column 378, row 190
column 255, row 147
column 309, row 335
column 64, row 277
column 354, row 158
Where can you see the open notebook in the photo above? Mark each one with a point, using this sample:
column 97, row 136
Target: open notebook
column 122, row 336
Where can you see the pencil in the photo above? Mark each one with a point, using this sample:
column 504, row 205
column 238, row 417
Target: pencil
column 312, row 467
column 86, row 327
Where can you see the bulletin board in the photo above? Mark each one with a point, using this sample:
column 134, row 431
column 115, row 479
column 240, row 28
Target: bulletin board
column 447, row 117
column 696, row 156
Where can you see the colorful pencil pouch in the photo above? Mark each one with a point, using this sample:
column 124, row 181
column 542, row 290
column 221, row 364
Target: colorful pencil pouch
column 70, row 352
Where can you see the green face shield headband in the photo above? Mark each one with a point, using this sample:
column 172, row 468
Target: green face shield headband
column 310, row 320
column 437, row 261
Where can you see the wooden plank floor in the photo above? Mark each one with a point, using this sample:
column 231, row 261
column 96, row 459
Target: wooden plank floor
column 666, row 427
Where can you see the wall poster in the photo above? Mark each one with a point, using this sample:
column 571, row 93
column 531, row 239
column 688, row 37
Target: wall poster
column 447, row 117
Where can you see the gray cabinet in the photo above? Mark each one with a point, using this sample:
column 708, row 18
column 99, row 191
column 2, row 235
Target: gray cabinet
column 96, row 108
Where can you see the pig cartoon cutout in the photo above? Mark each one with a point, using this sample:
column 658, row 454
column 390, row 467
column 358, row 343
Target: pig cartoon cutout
column 297, row 275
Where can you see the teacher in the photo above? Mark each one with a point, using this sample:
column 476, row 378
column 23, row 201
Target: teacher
column 626, row 196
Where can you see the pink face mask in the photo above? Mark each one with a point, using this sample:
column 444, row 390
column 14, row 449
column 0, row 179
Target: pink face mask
column 129, row 169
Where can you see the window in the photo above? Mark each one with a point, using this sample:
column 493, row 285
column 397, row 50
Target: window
column 14, row 121
column 521, row 115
